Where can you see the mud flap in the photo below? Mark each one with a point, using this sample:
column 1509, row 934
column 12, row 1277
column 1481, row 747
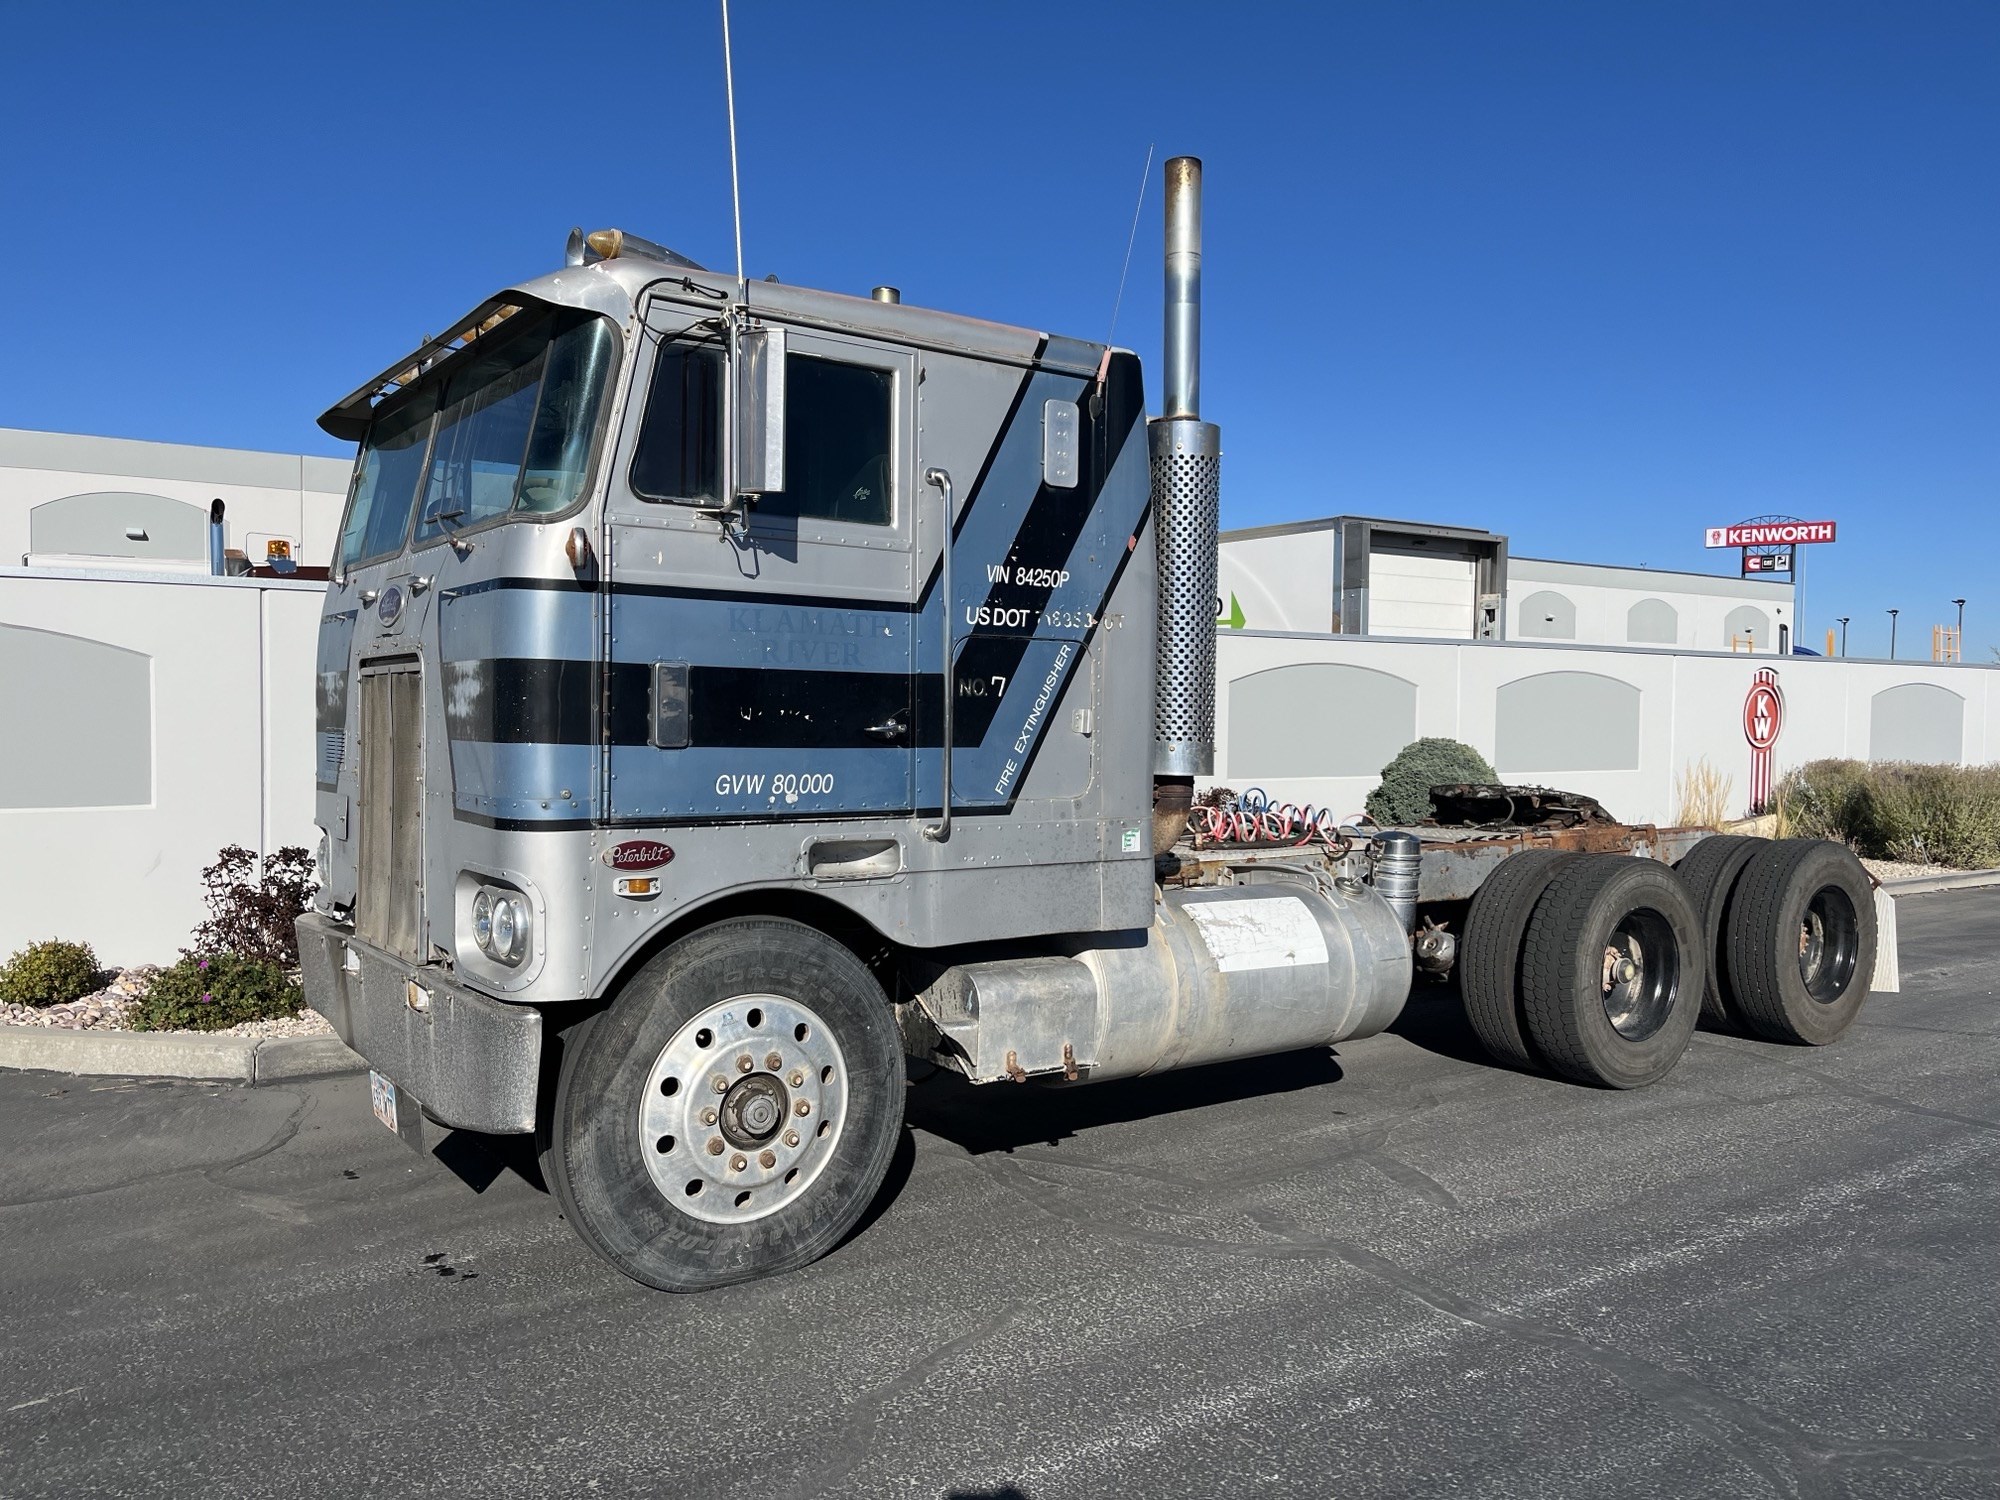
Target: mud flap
column 1888, row 967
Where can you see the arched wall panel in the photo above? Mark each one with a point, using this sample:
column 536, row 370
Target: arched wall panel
column 78, row 731
column 1565, row 721
column 1318, row 719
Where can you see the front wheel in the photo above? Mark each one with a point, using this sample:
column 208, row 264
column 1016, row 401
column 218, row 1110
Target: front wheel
column 733, row 1114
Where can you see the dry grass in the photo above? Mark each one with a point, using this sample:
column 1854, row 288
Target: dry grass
column 1941, row 815
column 1703, row 795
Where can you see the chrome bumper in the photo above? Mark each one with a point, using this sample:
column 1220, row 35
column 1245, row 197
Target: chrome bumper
column 472, row 1062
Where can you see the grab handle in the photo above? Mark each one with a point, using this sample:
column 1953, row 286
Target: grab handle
column 939, row 831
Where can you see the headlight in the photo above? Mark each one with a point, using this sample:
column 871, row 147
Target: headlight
column 502, row 924
column 510, row 929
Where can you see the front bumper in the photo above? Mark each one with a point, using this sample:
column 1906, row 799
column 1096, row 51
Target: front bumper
column 472, row 1061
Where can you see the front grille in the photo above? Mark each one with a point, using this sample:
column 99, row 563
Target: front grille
column 389, row 901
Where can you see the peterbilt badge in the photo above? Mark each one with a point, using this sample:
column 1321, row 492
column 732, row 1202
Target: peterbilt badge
column 637, row 854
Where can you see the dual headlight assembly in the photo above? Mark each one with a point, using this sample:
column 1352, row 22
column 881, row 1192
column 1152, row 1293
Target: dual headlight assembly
column 502, row 924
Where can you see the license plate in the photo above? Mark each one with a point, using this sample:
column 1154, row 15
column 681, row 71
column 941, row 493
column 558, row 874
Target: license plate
column 382, row 1099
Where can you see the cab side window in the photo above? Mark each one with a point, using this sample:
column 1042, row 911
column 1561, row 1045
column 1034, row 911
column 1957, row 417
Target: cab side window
column 839, row 436
column 679, row 452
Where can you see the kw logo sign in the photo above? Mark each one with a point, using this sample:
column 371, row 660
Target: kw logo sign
column 1763, row 721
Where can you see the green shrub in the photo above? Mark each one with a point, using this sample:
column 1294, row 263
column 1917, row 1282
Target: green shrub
column 1405, row 793
column 1825, row 799
column 1945, row 815
column 1939, row 815
column 51, row 973
column 207, row 994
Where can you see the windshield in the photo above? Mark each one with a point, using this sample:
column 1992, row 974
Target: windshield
column 509, row 426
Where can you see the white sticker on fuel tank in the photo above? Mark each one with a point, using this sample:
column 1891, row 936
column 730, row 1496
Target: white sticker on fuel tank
column 1274, row 932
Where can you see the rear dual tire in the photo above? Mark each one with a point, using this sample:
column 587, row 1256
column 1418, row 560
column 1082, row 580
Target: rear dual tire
column 1489, row 965
column 1711, row 871
column 1611, row 971
column 1801, row 941
column 1598, row 966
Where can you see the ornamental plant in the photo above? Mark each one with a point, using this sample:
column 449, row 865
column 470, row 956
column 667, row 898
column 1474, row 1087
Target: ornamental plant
column 50, row 973
column 1404, row 796
column 250, row 909
column 211, row 993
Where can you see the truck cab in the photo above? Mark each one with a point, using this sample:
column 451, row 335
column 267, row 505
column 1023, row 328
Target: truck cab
column 658, row 595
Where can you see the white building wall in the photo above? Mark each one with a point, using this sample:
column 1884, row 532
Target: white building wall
column 1603, row 598
column 294, row 496
column 1285, row 581
column 1282, row 582
column 218, row 694
column 227, row 732
column 1287, row 704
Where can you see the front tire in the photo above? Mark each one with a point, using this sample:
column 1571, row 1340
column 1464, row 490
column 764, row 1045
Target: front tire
column 733, row 1113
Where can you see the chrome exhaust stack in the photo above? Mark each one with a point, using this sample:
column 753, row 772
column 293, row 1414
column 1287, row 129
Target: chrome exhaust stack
column 1186, row 472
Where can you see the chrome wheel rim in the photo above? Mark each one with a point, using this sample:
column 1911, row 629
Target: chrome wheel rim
column 743, row 1109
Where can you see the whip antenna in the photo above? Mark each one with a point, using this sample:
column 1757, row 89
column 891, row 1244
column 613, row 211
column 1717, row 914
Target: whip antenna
column 735, row 186
column 1130, row 240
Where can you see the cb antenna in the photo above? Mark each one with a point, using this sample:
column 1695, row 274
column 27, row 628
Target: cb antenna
column 735, row 186
column 1130, row 240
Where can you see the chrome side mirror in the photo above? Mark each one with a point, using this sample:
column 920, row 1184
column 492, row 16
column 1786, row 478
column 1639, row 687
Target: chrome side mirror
column 759, row 376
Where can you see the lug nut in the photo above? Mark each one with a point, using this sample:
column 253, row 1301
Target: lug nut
column 773, row 1062
column 767, row 1158
column 745, row 1063
column 715, row 1146
column 797, row 1079
column 720, row 1085
column 708, row 1117
column 791, row 1137
column 802, row 1108
column 737, row 1163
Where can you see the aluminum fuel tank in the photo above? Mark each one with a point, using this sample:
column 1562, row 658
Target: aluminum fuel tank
column 1230, row 971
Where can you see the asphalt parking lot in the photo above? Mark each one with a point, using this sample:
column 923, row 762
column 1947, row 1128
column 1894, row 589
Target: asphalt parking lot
column 1391, row 1271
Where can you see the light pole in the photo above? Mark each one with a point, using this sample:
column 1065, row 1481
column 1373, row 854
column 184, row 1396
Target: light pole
column 1960, row 637
column 1892, row 633
column 1843, row 634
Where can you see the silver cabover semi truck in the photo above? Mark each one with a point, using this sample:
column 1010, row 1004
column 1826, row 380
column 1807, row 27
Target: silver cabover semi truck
column 727, row 689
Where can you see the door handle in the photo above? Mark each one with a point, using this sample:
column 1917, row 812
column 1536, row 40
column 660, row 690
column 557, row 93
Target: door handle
column 893, row 728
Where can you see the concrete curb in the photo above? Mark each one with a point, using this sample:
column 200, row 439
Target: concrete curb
column 145, row 1054
column 1963, row 880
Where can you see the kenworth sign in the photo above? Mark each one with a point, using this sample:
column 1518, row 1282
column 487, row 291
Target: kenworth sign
column 1769, row 534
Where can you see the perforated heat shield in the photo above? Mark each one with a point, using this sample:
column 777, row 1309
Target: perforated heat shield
column 1187, row 466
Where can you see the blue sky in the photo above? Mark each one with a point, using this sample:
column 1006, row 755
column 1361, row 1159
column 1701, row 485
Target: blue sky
column 1593, row 275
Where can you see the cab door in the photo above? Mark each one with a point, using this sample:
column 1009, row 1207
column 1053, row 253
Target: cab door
column 763, row 670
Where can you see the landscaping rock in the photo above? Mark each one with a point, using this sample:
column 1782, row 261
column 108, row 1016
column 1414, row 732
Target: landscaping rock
column 105, row 1010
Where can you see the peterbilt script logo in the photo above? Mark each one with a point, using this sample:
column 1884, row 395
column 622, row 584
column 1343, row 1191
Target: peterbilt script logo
column 637, row 854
